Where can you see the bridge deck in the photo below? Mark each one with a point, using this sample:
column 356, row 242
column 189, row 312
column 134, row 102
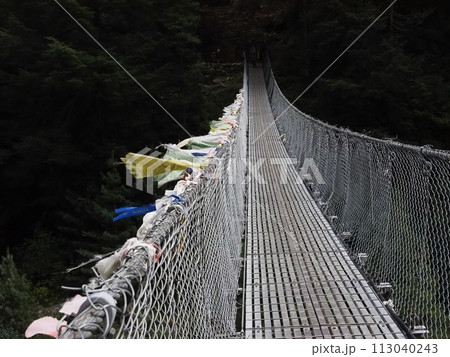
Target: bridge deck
column 300, row 282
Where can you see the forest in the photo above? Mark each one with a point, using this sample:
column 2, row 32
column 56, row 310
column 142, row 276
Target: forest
column 69, row 111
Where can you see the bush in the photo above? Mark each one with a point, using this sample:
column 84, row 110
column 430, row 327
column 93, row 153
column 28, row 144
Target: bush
column 17, row 305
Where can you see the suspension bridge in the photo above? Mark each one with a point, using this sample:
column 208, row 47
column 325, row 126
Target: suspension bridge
column 300, row 282
column 294, row 228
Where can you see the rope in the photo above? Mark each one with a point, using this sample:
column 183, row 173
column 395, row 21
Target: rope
column 122, row 67
column 326, row 69
column 181, row 279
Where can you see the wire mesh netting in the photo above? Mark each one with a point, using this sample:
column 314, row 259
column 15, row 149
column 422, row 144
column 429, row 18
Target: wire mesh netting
column 388, row 202
column 181, row 281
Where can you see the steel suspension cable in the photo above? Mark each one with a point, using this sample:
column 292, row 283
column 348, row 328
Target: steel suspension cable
column 331, row 65
column 122, row 67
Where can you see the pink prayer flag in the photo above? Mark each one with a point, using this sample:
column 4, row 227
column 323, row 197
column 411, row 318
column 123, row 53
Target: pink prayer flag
column 46, row 325
column 73, row 305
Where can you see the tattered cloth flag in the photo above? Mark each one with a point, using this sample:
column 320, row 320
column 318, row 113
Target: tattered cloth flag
column 133, row 211
column 125, row 212
column 205, row 141
column 142, row 166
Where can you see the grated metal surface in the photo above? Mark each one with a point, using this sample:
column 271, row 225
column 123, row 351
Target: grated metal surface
column 300, row 281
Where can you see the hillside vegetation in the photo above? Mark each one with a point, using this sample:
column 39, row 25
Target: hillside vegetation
column 69, row 111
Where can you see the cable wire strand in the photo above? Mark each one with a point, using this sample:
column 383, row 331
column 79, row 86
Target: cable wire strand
column 326, row 69
column 122, row 67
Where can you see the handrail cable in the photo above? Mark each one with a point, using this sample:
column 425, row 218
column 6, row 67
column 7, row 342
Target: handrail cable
column 326, row 69
column 122, row 67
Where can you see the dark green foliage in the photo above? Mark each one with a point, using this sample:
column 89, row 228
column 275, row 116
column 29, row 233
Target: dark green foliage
column 66, row 105
column 86, row 225
column 391, row 83
column 17, row 305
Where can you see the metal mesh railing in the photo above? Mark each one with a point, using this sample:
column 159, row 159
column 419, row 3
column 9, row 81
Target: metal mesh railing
column 389, row 203
column 181, row 281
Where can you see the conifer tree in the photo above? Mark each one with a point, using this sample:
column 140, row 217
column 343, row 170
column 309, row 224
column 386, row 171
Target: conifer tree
column 86, row 223
column 17, row 305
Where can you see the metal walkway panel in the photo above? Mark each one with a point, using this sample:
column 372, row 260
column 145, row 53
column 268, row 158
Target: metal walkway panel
column 300, row 282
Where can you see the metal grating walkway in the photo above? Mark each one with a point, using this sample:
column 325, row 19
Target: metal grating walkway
column 300, row 282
